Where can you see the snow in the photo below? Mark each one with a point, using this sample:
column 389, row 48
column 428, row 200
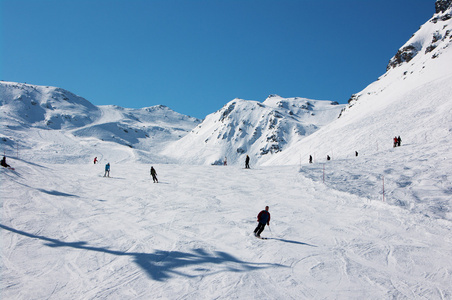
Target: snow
column 69, row 233
column 373, row 226
column 247, row 127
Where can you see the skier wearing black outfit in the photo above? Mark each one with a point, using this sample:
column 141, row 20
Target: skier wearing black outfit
column 247, row 162
column 154, row 175
column 264, row 219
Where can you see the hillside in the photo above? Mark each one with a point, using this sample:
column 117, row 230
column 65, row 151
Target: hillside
column 373, row 226
column 245, row 127
column 412, row 100
column 49, row 120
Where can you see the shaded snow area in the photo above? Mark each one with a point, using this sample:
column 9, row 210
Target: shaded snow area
column 69, row 233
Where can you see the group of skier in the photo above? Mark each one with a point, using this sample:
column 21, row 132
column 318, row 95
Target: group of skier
column 397, row 141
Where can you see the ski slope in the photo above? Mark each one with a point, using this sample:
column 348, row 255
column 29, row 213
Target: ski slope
column 69, row 233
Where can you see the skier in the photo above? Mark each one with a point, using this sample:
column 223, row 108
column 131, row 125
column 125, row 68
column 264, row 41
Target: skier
column 263, row 218
column 154, row 175
column 328, row 157
column 356, row 153
column 107, row 170
column 399, row 141
column 225, row 162
column 95, row 160
column 247, row 162
column 396, row 141
column 310, row 159
column 3, row 162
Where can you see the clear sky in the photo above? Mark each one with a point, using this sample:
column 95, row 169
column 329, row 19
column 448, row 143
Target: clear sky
column 196, row 55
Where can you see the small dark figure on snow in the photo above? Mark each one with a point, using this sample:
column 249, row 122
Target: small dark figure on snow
column 95, row 160
column 399, row 141
column 356, row 153
column 3, row 163
column 396, row 141
column 247, row 162
column 310, row 159
column 264, row 219
column 328, row 157
column 154, row 175
column 107, row 170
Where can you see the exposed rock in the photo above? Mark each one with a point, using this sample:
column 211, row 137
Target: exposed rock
column 442, row 5
column 403, row 55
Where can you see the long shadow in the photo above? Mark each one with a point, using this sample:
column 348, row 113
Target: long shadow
column 56, row 193
column 292, row 242
column 163, row 265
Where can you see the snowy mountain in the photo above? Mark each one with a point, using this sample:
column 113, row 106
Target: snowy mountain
column 375, row 226
column 49, row 119
column 245, row 127
column 412, row 99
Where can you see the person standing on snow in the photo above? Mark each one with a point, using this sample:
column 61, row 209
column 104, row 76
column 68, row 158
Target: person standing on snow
column 310, row 159
column 247, row 162
column 264, row 219
column 399, row 141
column 154, row 175
column 107, row 170
column 395, row 142
column 95, row 160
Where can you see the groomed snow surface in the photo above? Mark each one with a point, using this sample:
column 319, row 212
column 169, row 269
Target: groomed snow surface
column 69, row 233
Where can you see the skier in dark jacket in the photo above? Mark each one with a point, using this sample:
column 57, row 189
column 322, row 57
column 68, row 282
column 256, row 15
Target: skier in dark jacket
column 154, row 175
column 247, row 162
column 264, row 219
column 399, row 141
column 3, row 162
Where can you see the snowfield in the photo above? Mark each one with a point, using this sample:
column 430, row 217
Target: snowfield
column 69, row 233
column 373, row 226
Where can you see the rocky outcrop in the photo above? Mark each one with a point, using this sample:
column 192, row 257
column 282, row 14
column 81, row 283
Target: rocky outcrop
column 442, row 5
column 415, row 46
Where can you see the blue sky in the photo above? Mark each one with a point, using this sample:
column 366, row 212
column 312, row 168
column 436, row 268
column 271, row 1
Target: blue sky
column 195, row 56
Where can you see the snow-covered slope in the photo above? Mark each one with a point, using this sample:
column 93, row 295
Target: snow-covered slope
column 413, row 100
column 50, row 120
column 376, row 226
column 245, row 127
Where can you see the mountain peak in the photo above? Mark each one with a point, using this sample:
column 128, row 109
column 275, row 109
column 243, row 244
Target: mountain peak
column 429, row 39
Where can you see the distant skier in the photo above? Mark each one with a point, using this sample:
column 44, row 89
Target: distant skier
column 310, row 159
column 399, row 141
column 154, row 175
column 107, row 170
column 396, row 141
column 356, row 153
column 328, row 157
column 95, row 160
column 247, row 162
column 225, row 162
column 264, row 219
column 3, row 162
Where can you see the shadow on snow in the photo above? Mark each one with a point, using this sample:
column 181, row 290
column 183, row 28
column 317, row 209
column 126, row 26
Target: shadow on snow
column 162, row 265
column 290, row 241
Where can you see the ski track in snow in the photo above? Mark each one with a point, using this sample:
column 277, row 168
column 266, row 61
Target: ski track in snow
column 69, row 233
